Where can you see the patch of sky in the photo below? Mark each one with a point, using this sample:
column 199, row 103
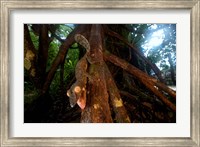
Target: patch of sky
column 154, row 40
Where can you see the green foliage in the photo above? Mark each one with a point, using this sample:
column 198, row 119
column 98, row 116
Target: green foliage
column 54, row 87
column 63, row 31
column 34, row 38
column 71, row 61
column 52, row 53
column 30, row 94
column 139, row 34
column 157, row 42
column 69, row 68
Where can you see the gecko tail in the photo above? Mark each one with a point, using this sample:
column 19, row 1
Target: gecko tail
column 82, row 41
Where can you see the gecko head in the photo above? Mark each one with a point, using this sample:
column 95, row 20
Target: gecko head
column 68, row 93
column 72, row 98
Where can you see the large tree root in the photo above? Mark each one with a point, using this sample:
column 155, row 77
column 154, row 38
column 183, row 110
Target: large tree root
column 148, row 81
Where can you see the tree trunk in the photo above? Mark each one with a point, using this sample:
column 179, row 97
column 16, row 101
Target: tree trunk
column 97, row 107
column 42, row 53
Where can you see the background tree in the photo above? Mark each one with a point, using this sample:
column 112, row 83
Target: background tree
column 122, row 76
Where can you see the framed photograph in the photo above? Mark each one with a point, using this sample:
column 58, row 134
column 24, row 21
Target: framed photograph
column 100, row 73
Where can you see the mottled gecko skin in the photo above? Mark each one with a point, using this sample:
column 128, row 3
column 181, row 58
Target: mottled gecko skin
column 91, row 54
column 77, row 92
column 82, row 41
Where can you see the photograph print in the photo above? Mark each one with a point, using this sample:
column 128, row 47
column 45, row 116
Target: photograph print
column 99, row 73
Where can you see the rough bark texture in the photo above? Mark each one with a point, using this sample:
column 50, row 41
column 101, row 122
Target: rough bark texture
column 148, row 81
column 117, row 105
column 153, row 66
column 97, row 106
column 44, row 42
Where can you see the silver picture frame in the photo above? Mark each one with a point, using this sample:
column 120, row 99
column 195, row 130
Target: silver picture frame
column 193, row 5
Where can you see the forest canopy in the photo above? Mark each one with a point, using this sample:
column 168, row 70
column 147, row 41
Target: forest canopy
column 107, row 73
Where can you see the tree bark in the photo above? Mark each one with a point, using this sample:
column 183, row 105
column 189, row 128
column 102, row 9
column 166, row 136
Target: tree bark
column 148, row 81
column 121, row 115
column 97, row 106
column 42, row 53
column 153, row 66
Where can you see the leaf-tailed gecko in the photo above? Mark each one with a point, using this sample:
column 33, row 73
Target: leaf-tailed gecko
column 77, row 92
